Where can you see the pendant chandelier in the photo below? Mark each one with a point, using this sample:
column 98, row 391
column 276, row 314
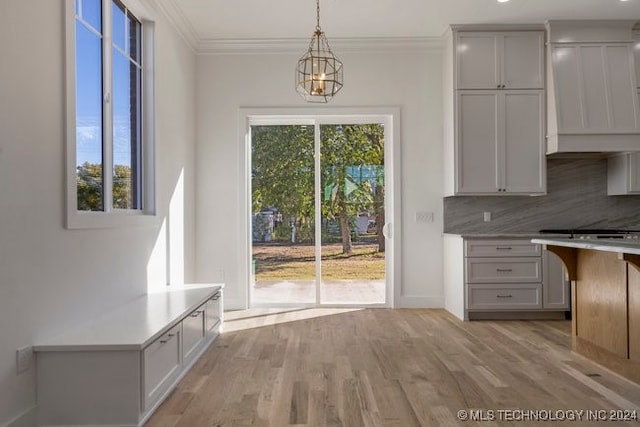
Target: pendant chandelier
column 319, row 72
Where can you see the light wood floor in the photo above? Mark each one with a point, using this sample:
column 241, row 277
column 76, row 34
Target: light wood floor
column 383, row 367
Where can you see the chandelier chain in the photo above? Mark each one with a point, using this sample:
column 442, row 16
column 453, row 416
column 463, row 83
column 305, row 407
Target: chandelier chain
column 318, row 15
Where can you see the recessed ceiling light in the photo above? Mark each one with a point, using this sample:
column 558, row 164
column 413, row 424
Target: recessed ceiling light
column 504, row 1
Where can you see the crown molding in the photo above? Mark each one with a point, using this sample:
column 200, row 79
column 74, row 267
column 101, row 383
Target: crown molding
column 298, row 45
column 178, row 19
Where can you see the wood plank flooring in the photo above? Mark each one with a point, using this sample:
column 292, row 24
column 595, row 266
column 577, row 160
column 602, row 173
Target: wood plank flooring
column 383, row 367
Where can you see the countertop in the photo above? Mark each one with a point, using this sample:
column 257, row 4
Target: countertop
column 525, row 235
column 133, row 325
column 627, row 246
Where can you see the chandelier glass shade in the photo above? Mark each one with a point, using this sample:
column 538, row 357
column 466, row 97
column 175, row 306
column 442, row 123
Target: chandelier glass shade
column 319, row 72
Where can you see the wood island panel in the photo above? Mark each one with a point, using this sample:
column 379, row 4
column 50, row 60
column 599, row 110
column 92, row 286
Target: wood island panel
column 601, row 301
column 634, row 313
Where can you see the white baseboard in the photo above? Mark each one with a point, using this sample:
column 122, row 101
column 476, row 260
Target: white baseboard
column 419, row 302
column 401, row 302
column 28, row 418
column 234, row 304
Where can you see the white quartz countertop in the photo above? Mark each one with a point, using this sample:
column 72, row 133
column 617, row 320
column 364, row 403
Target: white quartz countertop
column 135, row 324
column 627, row 246
column 523, row 235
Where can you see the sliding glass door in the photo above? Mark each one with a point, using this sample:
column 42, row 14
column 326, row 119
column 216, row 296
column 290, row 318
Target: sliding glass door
column 318, row 212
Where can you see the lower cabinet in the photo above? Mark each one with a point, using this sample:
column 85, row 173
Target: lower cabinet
column 193, row 333
column 504, row 278
column 213, row 312
column 108, row 375
column 161, row 365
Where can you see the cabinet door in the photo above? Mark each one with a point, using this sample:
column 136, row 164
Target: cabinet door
column 477, row 63
column 623, row 174
column 213, row 313
column 555, row 292
column 477, row 142
column 634, row 172
column 161, row 361
column 523, row 60
column 523, row 151
column 193, row 331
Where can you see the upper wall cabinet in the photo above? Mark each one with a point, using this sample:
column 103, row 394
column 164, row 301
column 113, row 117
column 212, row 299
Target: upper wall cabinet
column 500, row 60
column 623, row 174
column 500, row 142
column 494, row 121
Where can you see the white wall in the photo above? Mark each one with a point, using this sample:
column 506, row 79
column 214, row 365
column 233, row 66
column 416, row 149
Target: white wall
column 52, row 278
column 411, row 80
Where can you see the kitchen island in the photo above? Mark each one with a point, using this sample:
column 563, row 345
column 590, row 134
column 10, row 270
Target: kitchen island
column 605, row 299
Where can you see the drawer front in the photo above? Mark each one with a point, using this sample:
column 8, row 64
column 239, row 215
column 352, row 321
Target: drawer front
column 161, row 361
column 503, row 270
column 501, row 297
column 192, row 333
column 501, row 248
column 213, row 313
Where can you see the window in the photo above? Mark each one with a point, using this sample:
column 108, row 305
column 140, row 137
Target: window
column 109, row 131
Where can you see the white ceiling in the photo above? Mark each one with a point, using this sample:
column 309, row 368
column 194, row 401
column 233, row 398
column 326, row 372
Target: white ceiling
column 209, row 20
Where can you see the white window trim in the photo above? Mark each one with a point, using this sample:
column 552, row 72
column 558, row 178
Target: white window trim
column 116, row 217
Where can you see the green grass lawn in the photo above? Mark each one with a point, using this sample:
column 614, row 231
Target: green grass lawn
column 297, row 262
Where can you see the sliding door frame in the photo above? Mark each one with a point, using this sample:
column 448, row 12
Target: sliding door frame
column 390, row 117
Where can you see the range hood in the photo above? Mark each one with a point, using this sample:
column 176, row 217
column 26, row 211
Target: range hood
column 592, row 93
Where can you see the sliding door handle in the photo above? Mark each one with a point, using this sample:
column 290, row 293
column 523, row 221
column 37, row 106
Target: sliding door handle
column 387, row 230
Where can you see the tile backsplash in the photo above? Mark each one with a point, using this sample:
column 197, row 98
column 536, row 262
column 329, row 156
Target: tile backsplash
column 576, row 198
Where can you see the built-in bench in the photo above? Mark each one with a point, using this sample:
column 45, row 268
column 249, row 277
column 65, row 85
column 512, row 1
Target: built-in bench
column 117, row 369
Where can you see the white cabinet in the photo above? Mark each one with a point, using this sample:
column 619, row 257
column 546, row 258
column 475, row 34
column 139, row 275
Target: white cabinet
column 500, row 60
column 193, row 333
column 595, row 88
column 500, row 142
column 623, row 174
column 117, row 369
column 161, row 361
column 503, row 278
column 495, row 122
column 214, row 313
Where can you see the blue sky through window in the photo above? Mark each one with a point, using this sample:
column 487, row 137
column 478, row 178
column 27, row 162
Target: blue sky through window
column 89, row 126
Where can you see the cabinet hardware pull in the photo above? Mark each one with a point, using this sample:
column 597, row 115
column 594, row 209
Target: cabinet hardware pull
column 503, row 248
column 197, row 313
column 505, row 296
column 169, row 336
column 504, row 270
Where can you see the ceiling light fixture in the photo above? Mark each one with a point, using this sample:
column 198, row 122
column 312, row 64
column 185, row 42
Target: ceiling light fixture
column 502, row 1
column 319, row 71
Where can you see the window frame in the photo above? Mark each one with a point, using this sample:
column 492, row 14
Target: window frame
column 109, row 216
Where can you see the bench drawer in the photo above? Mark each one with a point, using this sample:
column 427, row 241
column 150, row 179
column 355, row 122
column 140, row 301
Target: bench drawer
column 162, row 366
column 193, row 331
